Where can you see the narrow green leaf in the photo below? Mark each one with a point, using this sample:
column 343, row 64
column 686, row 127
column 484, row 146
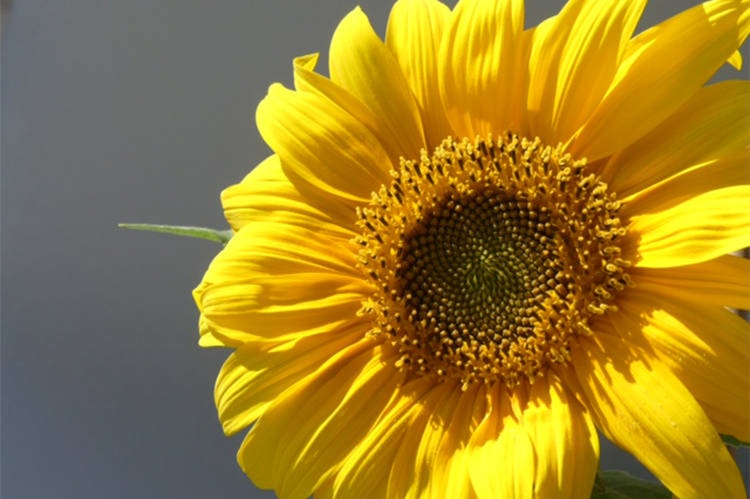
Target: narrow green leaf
column 219, row 236
column 734, row 442
column 621, row 485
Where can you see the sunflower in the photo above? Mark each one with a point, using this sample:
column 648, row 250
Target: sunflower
column 477, row 244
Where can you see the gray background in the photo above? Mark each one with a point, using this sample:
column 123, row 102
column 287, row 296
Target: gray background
column 138, row 110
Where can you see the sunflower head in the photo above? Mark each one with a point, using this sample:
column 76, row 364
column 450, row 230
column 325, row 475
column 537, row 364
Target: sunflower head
column 478, row 243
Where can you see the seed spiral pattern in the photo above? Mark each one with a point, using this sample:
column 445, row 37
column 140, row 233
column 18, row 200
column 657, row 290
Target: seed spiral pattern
column 488, row 257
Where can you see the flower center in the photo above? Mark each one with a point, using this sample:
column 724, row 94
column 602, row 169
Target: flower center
column 488, row 257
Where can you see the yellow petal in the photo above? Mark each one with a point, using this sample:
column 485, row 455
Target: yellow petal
column 414, row 32
column 268, row 194
column 565, row 441
column 302, row 438
column 702, row 228
column 454, row 477
column 257, row 373
column 579, row 49
column 706, row 347
column 500, row 456
column 662, row 68
column 482, row 76
column 275, row 282
column 433, row 467
column 307, row 80
column 401, row 480
column 363, row 65
column 735, row 60
column 322, row 143
column 383, row 450
column 207, row 338
column 429, row 460
column 640, row 405
column 714, row 174
column 722, row 282
column 712, row 123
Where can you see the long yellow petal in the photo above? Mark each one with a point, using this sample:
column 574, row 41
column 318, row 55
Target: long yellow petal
column 207, row 338
column 500, row 456
column 268, row 193
column 722, row 282
column 275, row 282
column 322, row 143
column 307, row 80
column 257, row 373
column 639, row 404
column 706, row 346
column 414, row 32
column 441, row 470
column 434, row 423
column 424, row 431
column 482, row 76
column 565, row 441
column 580, row 48
column 401, row 479
column 389, row 446
column 302, row 438
column 699, row 229
column 711, row 124
column 714, row 174
column 735, row 60
column 663, row 67
column 362, row 64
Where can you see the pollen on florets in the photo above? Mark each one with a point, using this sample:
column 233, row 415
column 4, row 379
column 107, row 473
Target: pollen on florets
column 488, row 256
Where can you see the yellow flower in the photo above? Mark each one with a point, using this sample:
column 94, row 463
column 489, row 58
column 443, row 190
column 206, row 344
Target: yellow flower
column 476, row 244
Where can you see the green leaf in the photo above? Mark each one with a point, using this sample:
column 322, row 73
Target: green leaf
column 734, row 442
column 621, row 485
column 219, row 236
